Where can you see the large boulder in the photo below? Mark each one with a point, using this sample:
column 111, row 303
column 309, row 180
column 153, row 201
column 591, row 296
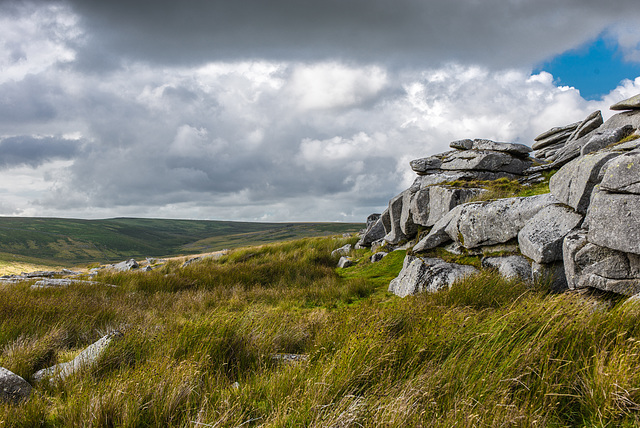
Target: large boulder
column 431, row 204
column 509, row 266
column 395, row 234
column 613, row 221
column 342, row 251
column 622, row 174
column 372, row 233
column 125, row 266
column 590, row 265
column 621, row 119
column 13, row 388
column 514, row 149
column 541, row 237
column 574, row 182
column 552, row 274
column 427, row 275
column 88, row 357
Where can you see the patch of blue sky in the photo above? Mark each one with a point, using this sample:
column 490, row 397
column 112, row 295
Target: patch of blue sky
column 594, row 68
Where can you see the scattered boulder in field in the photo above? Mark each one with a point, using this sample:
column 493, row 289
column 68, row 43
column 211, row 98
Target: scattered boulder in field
column 378, row 256
column 541, row 237
column 64, row 282
column 88, row 357
column 509, row 267
column 345, row 262
column 125, row 266
column 427, row 275
column 13, row 388
column 342, row 251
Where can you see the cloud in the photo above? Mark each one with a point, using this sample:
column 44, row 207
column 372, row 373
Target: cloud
column 35, row 151
column 292, row 111
column 493, row 33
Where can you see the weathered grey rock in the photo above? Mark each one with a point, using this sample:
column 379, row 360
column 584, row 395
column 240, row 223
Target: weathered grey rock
column 481, row 144
column 549, row 150
column 632, row 103
column 438, row 234
column 428, row 165
column 65, row 282
column 593, row 121
column 614, row 222
column 395, row 234
column 444, row 198
column 622, row 174
column 88, row 357
column 494, row 222
column 372, row 219
column 385, row 218
column 541, row 237
column 574, row 182
column 342, row 251
column 427, row 275
column 555, row 131
column 599, row 139
column 372, row 234
column 485, row 160
column 407, row 225
column 509, row 266
column 13, row 388
column 591, row 265
column 558, row 136
column 477, row 224
column 345, row 262
column 430, row 204
column 125, row 266
column 378, row 256
column 625, row 118
column 376, row 245
column 550, row 273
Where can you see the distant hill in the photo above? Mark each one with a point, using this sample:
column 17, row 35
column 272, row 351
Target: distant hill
column 73, row 241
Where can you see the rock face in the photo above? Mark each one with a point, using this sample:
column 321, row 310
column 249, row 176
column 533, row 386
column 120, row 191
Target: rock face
column 13, row 388
column 86, row 358
column 574, row 182
column 476, row 224
column 427, row 275
column 584, row 233
column 541, row 237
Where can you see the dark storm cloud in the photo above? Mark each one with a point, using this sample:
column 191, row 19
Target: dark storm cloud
column 34, row 151
column 401, row 32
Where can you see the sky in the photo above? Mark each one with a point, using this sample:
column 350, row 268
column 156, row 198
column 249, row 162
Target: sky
column 283, row 110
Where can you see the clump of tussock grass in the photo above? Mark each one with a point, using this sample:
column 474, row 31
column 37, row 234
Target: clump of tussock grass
column 486, row 352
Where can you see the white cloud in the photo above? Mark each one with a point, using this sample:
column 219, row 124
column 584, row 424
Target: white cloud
column 334, row 85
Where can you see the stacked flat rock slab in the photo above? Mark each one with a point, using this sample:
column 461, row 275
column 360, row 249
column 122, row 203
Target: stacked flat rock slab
column 548, row 143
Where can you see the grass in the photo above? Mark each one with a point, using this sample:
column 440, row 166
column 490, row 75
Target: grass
column 505, row 188
column 198, row 348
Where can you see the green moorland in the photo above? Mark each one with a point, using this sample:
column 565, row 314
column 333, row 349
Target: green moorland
column 201, row 346
column 70, row 242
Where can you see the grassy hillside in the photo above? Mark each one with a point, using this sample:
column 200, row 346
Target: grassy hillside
column 202, row 347
column 71, row 241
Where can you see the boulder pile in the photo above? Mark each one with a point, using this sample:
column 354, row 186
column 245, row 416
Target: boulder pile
column 584, row 233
